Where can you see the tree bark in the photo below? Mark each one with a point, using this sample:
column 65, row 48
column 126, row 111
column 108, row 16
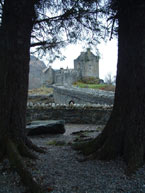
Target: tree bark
column 15, row 33
column 124, row 134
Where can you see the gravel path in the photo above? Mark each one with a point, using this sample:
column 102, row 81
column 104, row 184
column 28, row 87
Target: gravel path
column 59, row 169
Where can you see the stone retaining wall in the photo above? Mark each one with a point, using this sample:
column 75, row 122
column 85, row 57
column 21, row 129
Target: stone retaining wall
column 75, row 114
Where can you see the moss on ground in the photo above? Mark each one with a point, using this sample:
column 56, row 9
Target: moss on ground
column 56, row 143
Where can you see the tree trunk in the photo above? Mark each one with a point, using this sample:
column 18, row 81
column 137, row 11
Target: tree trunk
column 124, row 133
column 15, row 34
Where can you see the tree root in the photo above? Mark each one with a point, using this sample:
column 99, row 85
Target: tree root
column 24, row 151
column 89, row 147
column 18, row 164
column 2, row 153
column 85, row 147
column 93, row 151
column 33, row 146
column 134, row 157
column 112, row 146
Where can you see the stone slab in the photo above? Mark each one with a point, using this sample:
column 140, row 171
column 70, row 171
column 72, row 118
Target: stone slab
column 39, row 127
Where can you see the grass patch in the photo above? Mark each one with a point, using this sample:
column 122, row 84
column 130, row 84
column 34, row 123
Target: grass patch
column 95, row 86
column 42, row 90
column 56, row 143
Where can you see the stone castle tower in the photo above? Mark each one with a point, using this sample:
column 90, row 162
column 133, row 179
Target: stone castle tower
column 86, row 65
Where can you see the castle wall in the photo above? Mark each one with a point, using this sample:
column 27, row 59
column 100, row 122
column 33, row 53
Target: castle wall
column 86, row 65
column 48, row 76
column 58, row 79
column 91, row 69
column 70, row 77
column 66, row 76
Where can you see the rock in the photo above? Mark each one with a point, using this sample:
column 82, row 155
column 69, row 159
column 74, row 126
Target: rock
column 45, row 127
column 30, row 104
column 53, row 104
column 43, row 104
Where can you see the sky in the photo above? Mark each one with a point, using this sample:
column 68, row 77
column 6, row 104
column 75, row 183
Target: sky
column 107, row 63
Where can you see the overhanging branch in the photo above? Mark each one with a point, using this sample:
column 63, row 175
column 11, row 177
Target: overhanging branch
column 47, row 44
column 38, row 44
column 67, row 14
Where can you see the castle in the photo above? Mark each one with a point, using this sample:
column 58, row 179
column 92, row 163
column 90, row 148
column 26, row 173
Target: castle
column 85, row 66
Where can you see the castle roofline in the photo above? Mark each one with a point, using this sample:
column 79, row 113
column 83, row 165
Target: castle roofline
column 86, row 55
column 46, row 69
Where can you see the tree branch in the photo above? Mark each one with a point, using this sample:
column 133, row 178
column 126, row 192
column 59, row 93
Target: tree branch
column 38, row 44
column 60, row 17
column 45, row 43
column 1, row 3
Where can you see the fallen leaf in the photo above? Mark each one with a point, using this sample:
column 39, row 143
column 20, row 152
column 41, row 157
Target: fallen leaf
column 49, row 189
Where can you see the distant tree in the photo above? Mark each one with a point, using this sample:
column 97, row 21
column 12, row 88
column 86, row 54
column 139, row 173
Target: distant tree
column 124, row 134
column 50, row 24
column 109, row 79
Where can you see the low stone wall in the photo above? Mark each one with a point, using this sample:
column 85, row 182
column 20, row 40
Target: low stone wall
column 76, row 114
column 63, row 95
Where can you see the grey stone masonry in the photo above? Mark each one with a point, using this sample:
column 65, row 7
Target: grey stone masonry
column 88, row 64
column 63, row 95
column 81, row 114
column 85, row 66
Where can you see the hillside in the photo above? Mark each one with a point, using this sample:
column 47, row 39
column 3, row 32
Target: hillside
column 35, row 74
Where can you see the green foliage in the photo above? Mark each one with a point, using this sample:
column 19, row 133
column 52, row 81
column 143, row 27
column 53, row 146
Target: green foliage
column 90, row 80
column 95, row 86
column 85, row 85
column 56, row 143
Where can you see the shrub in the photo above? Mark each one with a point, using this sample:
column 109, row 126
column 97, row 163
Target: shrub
column 90, row 80
column 95, row 86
